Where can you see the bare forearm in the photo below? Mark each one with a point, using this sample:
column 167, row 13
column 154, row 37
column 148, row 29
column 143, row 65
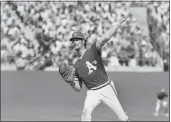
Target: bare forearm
column 112, row 31
column 108, row 35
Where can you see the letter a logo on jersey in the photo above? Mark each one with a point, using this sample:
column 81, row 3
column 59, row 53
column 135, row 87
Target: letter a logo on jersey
column 90, row 67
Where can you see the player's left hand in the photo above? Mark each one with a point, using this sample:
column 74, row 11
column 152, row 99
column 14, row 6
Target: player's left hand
column 67, row 72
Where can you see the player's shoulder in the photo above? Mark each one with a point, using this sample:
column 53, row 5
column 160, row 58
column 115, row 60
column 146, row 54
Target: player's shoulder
column 92, row 46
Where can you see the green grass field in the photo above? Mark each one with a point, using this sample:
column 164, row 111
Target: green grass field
column 43, row 96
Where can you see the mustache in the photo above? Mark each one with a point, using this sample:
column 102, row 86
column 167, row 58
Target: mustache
column 73, row 45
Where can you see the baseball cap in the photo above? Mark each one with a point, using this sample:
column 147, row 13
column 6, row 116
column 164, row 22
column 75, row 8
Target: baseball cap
column 77, row 35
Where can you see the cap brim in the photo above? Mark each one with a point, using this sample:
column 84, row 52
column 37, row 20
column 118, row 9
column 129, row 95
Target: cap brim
column 71, row 39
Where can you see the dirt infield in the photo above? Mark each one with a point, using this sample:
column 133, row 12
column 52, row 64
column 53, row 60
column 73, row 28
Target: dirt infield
column 38, row 96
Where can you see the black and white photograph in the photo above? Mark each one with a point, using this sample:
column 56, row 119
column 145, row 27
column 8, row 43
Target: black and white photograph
column 85, row 60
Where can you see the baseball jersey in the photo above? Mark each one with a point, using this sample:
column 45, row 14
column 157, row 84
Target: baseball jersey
column 162, row 95
column 90, row 69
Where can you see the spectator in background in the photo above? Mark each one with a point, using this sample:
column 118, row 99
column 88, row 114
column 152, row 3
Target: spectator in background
column 3, row 53
column 113, row 60
column 44, row 42
column 123, row 57
column 131, row 54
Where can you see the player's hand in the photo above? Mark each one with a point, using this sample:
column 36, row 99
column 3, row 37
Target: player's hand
column 67, row 72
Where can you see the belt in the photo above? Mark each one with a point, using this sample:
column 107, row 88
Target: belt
column 101, row 86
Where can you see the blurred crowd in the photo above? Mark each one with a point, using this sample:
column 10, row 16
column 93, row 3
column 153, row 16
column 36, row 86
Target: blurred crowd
column 32, row 29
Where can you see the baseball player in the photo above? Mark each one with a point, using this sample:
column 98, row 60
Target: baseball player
column 162, row 99
column 89, row 69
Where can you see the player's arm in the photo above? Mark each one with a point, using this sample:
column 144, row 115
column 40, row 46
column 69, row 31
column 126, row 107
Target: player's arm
column 76, row 84
column 108, row 35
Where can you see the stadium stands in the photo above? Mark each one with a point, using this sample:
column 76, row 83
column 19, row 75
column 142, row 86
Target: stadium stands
column 29, row 29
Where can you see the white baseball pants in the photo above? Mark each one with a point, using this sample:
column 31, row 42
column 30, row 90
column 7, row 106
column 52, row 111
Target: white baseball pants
column 106, row 95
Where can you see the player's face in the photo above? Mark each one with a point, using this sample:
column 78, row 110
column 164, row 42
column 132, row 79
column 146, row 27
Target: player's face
column 77, row 43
